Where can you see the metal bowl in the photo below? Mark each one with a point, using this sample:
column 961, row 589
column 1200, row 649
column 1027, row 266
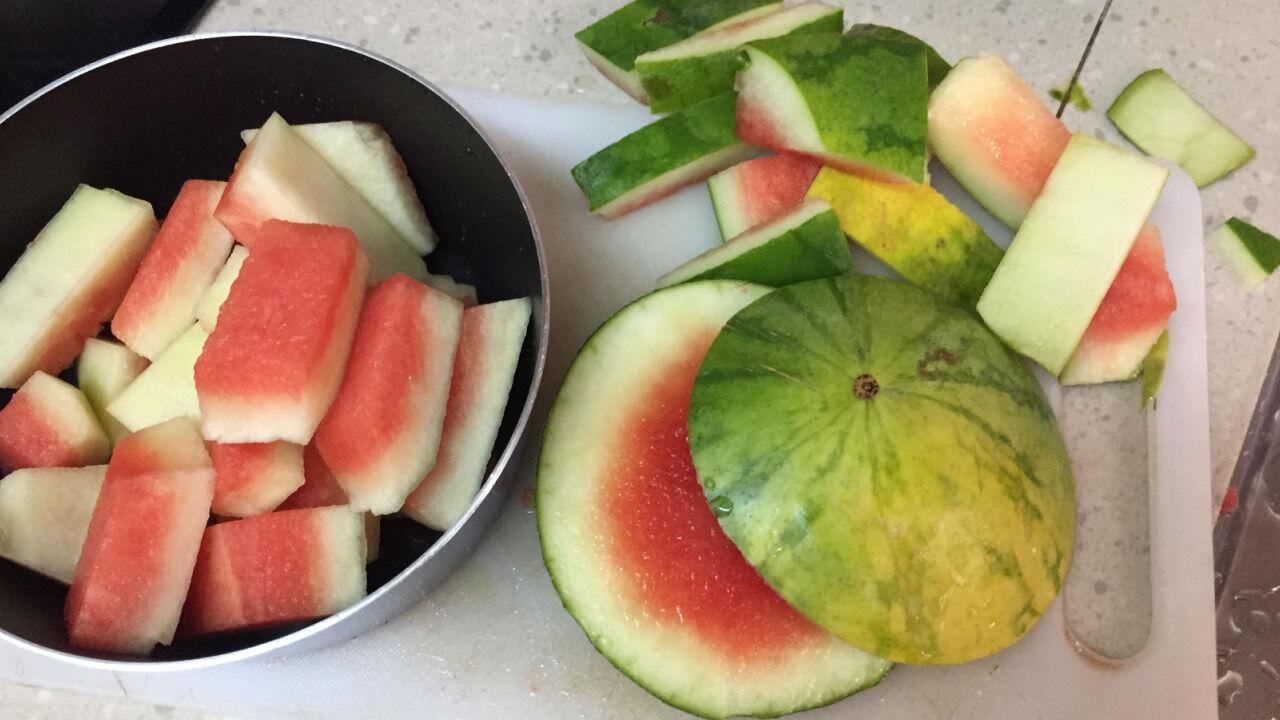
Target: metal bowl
column 145, row 120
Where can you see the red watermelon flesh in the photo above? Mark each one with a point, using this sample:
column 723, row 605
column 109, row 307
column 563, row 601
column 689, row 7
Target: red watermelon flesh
column 382, row 433
column 483, row 370
column 667, row 544
column 275, row 568
column 49, row 423
column 184, row 258
column 141, row 547
column 999, row 139
column 1133, row 314
column 254, row 478
column 273, row 363
column 321, row 489
column 759, row 190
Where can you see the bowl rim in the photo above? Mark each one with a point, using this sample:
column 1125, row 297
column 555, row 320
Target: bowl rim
column 542, row 330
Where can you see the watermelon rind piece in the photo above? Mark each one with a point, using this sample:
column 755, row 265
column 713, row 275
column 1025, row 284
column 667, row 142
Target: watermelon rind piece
column 363, row 154
column 625, row 360
column 916, row 231
column 49, row 423
column 1129, row 320
column 887, row 465
column 938, row 66
column 460, row 291
column 1069, row 249
column 680, row 149
column 859, row 102
column 209, row 305
column 70, row 280
column 1252, row 254
column 166, row 389
column 104, row 370
column 705, row 65
column 759, row 190
column 44, row 516
column 613, row 42
column 1153, row 369
column 1155, row 113
column 995, row 135
column 805, row 244
column 484, row 369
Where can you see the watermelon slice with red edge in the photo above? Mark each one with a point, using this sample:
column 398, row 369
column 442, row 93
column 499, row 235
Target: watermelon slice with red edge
column 254, row 478
column 70, row 280
column 483, row 369
column 996, row 136
column 273, row 364
column 382, row 432
column 280, row 567
column 44, row 516
column 633, row 547
column 49, row 423
column 280, row 176
column 175, row 273
column 141, row 547
column 759, row 190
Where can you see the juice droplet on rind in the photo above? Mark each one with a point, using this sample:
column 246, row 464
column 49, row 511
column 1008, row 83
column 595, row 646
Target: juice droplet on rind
column 722, row 506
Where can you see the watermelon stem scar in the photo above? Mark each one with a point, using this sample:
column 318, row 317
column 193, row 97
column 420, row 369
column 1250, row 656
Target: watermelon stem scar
column 865, row 387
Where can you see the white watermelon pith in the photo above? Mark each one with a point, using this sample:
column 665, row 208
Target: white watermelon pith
column 383, row 430
column 759, row 190
column 211, row 302
column 49, row 423
column 70, row 280
column 142, row 542
column 44, row 515
column 462, row 292
column 104, row 370
column 175, row 273
column 254, row 478
column 273, row 364
column 363, row 154
column 280, row 176
column 997, row 137
column 633, row 547
column 483, row 370
column 166, row 389
column 280, row 567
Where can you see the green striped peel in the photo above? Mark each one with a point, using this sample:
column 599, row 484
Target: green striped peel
column 804, row 244
column 660, row 157
column 1250, row 253
column 889, row 467
column 705, row 65
column 938, row 67
column 613, row 42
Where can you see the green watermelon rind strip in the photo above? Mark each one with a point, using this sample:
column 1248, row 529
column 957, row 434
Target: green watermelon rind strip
column 1155, row 113
column 706, row 64
column 866, row 96
column 805, row 244
column 656, row 158
column 1252, row 254
column 938, row 66
column 613, row 42
column 608, row 374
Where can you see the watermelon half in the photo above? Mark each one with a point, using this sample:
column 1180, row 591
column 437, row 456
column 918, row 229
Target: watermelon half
column 887, row 465
column 759, row 190
column 633, row 547
column 997, row 137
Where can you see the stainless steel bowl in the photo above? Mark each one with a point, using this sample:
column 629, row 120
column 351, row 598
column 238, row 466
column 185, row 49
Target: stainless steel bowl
column 145, row 120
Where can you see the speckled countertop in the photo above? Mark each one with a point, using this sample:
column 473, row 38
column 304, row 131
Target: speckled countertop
column 1229, row 58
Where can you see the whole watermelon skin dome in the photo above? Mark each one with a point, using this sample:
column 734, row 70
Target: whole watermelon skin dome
column 887, row 465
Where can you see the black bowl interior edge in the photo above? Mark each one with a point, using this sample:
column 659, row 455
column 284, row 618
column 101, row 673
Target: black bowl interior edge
column 146, row 122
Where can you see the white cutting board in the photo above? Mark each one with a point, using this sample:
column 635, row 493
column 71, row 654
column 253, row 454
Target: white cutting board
column 494, row 642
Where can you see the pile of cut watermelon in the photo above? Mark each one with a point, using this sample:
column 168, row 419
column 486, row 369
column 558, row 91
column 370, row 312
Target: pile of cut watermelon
column 797, row 475
column 281, row 372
